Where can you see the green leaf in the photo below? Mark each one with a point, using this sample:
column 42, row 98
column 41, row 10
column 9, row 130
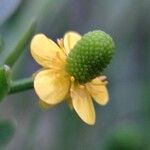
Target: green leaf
column 18, row 29
column 17, row 51
column 7, row 130
column 4, row 81
column 14, row 31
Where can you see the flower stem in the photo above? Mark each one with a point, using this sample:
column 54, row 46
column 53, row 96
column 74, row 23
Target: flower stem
column 21, row 85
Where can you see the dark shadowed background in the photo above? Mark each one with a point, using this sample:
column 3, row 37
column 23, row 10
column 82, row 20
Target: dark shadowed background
column 124, row 124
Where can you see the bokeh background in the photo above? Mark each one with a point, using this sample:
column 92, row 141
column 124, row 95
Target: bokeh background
column 124, row 124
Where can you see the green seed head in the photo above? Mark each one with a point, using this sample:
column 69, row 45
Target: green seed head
column 90, row 56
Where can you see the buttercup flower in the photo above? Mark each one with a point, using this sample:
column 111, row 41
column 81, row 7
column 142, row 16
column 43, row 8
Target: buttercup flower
column 54, row 83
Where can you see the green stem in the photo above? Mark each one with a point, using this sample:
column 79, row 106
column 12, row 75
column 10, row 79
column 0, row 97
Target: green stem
column 21, row 85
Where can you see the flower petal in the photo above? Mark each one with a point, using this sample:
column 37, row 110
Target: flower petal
column 44, row 50
column 98, row 91
column 70, row 39
column 51, row 86
column 83, row 104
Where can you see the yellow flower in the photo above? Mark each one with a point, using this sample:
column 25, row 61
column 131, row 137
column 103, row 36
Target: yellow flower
column 53, row 84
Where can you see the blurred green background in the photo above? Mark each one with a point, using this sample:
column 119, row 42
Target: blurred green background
column 124, row 124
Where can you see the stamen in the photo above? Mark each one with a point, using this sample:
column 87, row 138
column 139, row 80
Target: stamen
column 60, row 56
column 105, row 82
column 81, row 86
column 60, row 43
column 72, row 79
column 71, row 90
column 103, row 78
column 57, row 75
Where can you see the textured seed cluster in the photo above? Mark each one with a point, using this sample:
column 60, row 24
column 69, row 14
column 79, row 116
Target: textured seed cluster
column 90, row 56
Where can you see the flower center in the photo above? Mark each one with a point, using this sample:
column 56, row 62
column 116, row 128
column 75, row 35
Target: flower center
column 90, row 56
